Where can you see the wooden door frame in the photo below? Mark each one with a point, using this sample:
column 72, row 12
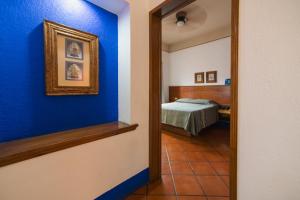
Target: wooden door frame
column 155, row 17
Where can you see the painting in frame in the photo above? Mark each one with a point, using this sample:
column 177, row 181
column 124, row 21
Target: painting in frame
column 199, row 77
column 211, row 77
column 72, row 61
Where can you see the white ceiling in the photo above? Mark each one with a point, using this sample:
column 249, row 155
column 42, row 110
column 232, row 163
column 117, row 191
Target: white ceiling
column 114, row 6
column 204, row 16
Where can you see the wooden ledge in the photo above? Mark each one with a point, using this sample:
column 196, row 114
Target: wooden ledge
column 20, row 150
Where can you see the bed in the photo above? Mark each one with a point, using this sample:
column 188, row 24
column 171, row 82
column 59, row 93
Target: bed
column 189, row 114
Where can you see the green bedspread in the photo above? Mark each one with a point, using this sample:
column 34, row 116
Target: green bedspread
column 191, row 117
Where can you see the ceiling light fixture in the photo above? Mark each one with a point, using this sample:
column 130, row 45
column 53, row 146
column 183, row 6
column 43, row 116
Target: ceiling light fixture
column 181, row 18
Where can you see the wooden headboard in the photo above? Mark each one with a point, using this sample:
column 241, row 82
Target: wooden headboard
column 217, row 93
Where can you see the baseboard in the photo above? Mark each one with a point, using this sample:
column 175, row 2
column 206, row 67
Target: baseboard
column 121, row 191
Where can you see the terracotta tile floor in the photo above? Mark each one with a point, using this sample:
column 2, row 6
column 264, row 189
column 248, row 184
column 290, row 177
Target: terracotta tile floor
column 193, row 168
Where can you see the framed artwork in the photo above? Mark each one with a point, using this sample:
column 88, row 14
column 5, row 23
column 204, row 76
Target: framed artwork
column 72, row 61
column 211, row 77
column 199, row 77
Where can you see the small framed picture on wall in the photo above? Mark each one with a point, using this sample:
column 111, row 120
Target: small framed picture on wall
column 72, row 61
column 199, row 77
column 211, row 77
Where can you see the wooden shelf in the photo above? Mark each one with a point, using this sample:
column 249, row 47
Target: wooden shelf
column 20, row 150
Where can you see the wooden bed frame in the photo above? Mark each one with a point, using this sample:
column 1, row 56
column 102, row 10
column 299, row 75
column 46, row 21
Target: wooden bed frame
column 176, row 130
column 218, row 93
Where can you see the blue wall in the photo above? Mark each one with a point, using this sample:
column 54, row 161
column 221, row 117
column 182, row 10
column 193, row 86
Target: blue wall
column 127, row 187
column 25, row 111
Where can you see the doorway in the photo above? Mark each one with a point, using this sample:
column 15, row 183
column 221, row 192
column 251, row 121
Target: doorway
column 156, row 16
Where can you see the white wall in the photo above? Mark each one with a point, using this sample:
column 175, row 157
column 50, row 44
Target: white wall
column 124, row 65
column 202, row 58
column 179, row 67
column 165, row 77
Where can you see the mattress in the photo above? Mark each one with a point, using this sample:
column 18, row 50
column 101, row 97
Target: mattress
column 192, row 117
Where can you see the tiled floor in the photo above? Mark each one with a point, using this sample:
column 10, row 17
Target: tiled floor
column 194, row 168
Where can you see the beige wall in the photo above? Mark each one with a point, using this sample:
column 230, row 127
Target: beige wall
column 269, row 100
column 200, row 40
column 80, row 173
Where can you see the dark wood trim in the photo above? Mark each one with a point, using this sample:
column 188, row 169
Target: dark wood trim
column 20, row 150
column 173, row 129
column 155, row 48
column 234, row 97
column 169, row 6
column 173, row 6
column 155, row 98
column 156, row 15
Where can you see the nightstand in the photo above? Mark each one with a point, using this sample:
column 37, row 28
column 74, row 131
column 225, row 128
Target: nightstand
column 224, row 114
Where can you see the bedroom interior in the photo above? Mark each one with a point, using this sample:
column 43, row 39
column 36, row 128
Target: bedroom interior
column 196, row 99
column 195, row 102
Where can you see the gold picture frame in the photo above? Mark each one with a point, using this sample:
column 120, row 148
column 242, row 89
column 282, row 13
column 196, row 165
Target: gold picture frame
column 199, row 77
column 72, row 61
